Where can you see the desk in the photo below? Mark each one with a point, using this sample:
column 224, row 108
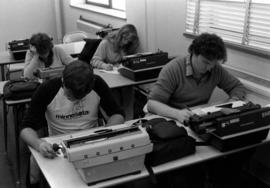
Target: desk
column 117, row 80
column 61, row 173
column 73, row 49
column 7, row 59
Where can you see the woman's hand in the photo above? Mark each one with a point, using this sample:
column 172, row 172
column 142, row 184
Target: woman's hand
column 107, row 67
column 46, row 150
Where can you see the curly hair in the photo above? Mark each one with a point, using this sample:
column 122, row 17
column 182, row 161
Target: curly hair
column 209, row 46
column 42, row 42
column 78, row 76
column 116, row 37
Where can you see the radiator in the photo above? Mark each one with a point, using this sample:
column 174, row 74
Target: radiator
column 89, row 26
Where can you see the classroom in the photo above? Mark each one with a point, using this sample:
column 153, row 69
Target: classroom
column 179, row 60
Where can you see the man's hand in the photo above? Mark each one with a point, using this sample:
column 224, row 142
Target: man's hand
column 183, row 115
column 46, row 150
column 107, row 67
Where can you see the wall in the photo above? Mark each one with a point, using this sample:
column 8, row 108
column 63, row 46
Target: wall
column 20, row 19
column 161, row 25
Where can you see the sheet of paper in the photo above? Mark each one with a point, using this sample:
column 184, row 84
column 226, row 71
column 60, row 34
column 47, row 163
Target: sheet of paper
column 216, row 108
column 114, row 71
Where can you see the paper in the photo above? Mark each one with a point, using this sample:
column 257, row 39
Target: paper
column 114, row 71
column 216, row 108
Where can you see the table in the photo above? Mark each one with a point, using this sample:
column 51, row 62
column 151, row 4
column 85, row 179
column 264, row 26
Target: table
column 6, row 58
column 61, row 173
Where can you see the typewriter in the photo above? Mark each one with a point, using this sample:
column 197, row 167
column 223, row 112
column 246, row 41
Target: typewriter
column 104, row 153
column 231, row 125
column 18, row 48
column 143, row 66
column 49, row 72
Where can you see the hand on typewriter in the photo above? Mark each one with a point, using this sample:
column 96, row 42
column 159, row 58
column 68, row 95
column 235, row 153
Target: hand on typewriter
column 183, row 115
column 46, row 150
column 107, row 67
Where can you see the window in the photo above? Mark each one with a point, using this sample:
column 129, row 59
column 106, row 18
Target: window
column 112, row 4
column 244, row 22
column 114, row 8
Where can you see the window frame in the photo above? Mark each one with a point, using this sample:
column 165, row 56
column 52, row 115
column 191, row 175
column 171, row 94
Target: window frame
column 109, row 6
column 81, row 4
column 243, row 46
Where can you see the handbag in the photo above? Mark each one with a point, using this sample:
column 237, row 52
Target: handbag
column 170, row 142
column 18, row 89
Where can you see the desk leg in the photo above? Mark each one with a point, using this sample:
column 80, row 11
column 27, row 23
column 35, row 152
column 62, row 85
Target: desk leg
column 5, row 122
column 17, row 145
column 2, row 67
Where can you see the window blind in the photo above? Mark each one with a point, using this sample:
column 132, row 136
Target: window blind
column 245, row 22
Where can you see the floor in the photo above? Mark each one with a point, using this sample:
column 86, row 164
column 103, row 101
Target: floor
column 7, row 172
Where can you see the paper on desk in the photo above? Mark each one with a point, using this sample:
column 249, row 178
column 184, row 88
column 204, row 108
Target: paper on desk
column 216, row 108
column 114, row 71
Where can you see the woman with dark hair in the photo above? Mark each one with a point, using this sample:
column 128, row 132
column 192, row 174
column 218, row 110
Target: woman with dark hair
column 43, row 53
column 117, row 44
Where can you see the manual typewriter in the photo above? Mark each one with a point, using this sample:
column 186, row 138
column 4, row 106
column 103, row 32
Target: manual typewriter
column 105, row 153
column 49, row 72
column 143, row 66
column 231, row 125
column 18, row 48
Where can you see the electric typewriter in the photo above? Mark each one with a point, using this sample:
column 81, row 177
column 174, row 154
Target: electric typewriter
column 105, row 153
column 18, row 48
column 49, row 72
column 143, row 66
column 231, row 125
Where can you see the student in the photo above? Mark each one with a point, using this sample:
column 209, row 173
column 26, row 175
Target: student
column 110, row 52
column 117, row 44
column 189, row 81
column 43, row 53
column 69, row 104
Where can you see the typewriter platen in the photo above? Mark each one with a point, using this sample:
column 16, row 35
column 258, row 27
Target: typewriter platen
column 105, row 153
column 231, row 125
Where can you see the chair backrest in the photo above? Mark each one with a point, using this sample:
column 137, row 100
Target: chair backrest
column 74, row 36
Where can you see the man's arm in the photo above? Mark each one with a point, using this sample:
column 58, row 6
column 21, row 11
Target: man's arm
column 35, row 117
column 231, row 85
column 162, row 109
column 30, row 137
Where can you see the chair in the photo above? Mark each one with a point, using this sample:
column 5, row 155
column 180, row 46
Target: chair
column 74, row 36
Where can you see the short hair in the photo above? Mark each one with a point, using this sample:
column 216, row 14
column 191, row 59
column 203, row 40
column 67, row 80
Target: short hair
column 209, row 46
column 42, row 42
column 79, row 78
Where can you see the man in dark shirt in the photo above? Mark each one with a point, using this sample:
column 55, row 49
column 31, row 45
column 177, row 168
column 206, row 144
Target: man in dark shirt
column 69, row 104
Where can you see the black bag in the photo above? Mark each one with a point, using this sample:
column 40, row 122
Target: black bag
column 20, row 89
column 170, row 142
